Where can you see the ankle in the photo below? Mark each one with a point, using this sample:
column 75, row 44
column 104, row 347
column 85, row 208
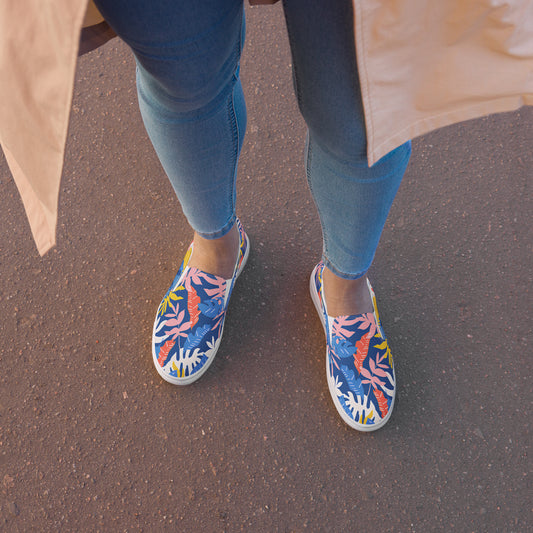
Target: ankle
column 346, row 296
column 216, row 256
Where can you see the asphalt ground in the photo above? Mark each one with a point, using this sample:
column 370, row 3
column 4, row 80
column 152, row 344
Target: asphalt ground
column 91, row 439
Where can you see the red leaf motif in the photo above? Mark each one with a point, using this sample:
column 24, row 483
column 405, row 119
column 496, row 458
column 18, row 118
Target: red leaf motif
column 382, row 402
column 163, row 352
column 192, row 306
column 361, row 351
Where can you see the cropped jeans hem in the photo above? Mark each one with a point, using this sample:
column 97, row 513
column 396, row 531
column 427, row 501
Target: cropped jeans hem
column 221, row 232
column 330, row 266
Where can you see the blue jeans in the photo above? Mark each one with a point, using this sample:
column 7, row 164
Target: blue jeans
column 192, row 104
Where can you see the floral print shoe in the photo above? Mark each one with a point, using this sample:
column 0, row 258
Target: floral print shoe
column 359, row 365
column 190, row 319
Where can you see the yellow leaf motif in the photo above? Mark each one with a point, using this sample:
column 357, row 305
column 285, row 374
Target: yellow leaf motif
column 187, row 256
column 174, row 367
column 381, row 346
column 370, row 415
column 166, row 301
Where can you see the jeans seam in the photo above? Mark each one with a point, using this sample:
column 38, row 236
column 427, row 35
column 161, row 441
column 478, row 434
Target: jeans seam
column 235, row 135
column 235, row 127
column 235, row 124
column 308, row 160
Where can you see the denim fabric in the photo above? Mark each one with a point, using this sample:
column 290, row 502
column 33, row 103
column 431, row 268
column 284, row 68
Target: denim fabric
column 191, row 100
column 353, row 200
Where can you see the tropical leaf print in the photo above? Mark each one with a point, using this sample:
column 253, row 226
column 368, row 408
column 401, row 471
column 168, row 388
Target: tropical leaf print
column 318, row 282
column 217, row 324
column 337, row 385
column 367, row 320
column 361, row 351
column 371, row 377
column 339, row 326
column 361, row 411
column 344, row 404
column 385, row 346
column 212, row 345
column 374, row 304
column 382, row 403
column 192, row 305
column 380, row 366
column 187, row 362
column 194, row 339
column 354, row 384
column 175, row 321
column 342, row 347
column 219, row 289
column 241, row 256
column 164, row 351
column 167, row 300
column 188, row 255
column 212, row 308
column 369, row 419
column 196, row 276
column 332, row 358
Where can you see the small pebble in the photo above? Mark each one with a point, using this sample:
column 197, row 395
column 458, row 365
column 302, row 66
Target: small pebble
column 13, row 508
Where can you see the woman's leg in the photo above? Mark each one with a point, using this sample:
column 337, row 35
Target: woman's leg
column 353, row 202
column 191, row 101
column 187, row 54
column 353, row 199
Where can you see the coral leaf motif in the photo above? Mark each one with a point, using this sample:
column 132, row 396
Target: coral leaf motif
column 164, row 351
column 361, row 351
column 192, row 306
column 382, row 403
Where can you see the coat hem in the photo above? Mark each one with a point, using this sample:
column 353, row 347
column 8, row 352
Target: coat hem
column 431, row 123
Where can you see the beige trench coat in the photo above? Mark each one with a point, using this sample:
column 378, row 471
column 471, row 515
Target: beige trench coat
column 422, row 65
